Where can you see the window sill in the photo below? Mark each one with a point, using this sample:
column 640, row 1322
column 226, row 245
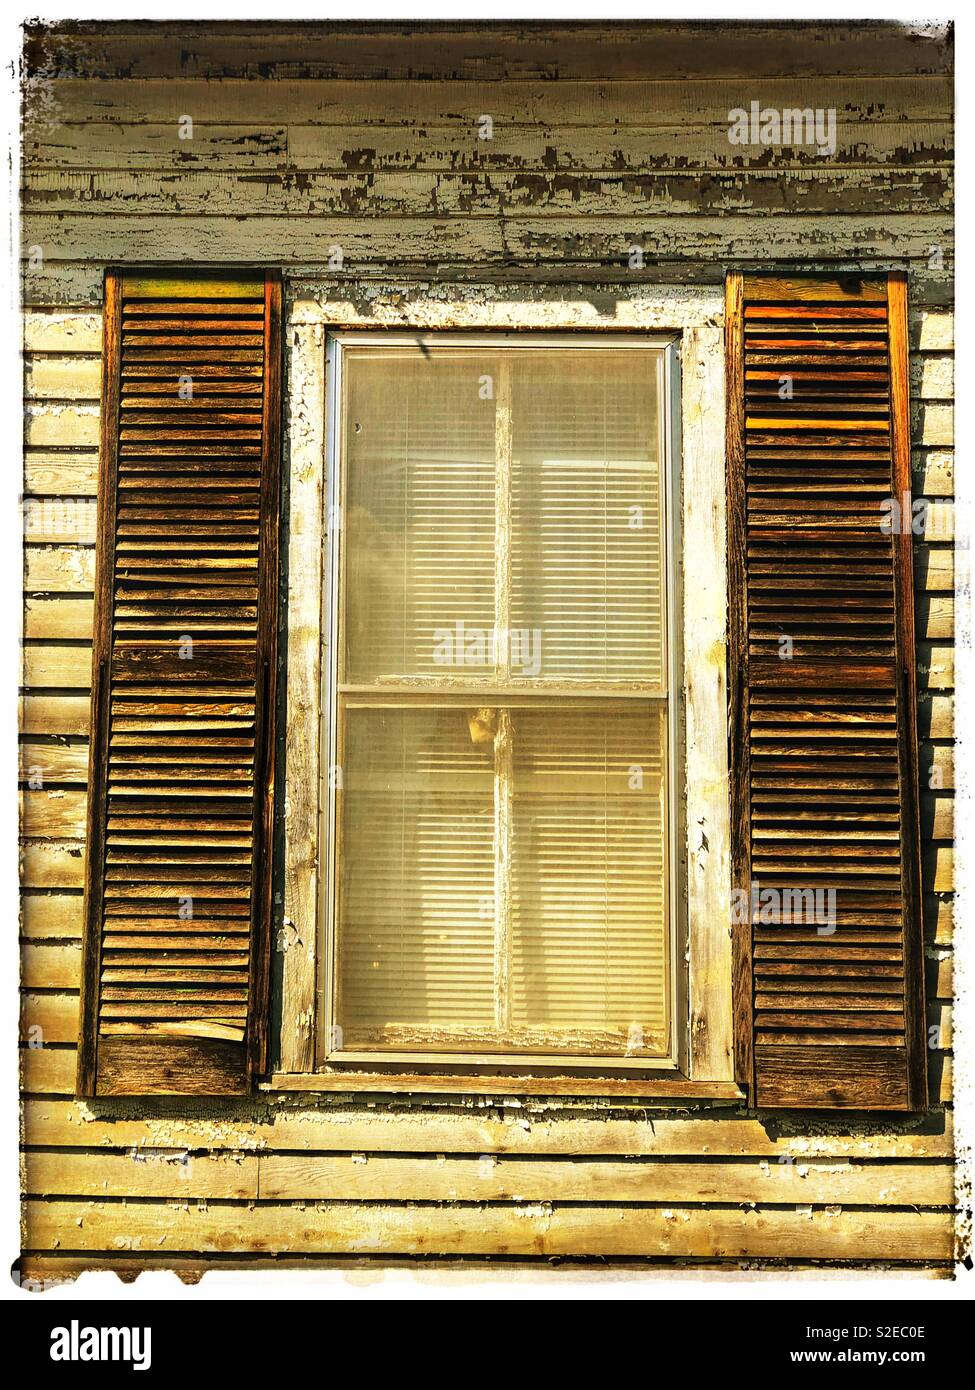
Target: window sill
column 398, row 1083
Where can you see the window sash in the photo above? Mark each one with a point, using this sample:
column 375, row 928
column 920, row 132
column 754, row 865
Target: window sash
column 509, row 693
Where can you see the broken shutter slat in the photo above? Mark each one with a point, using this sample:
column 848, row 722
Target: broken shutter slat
column 178, row 883
column 829, row 989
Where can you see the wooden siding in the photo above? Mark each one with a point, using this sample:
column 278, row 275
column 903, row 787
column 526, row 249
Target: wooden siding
column 371, row 141
column 367, row 139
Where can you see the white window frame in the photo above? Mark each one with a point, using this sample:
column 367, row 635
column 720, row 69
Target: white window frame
column 702, row 1061
column 336, row 344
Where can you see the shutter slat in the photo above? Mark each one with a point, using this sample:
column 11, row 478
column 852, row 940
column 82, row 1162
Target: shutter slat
column 175, row 981
column 828, row 1003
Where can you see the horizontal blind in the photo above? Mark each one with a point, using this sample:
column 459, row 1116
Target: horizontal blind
column 589, row 944
column 502, row 869
column 417, row 893
column 420, row 511
column 587, row 564
column 422, row 516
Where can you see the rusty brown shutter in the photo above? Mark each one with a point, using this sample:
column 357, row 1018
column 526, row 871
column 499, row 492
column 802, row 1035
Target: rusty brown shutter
column 829, row 1009
column 180, row 816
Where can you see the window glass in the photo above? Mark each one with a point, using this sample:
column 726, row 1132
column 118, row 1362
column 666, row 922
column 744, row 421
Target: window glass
column 499, row 715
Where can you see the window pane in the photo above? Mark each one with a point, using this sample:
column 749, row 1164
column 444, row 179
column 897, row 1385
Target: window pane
column 503, row 497
column 586, row 533
column 416, row 922
column 419, row 511
column 579, row 860
column 589, row 942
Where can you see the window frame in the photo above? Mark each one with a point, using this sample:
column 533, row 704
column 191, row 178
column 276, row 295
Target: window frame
column 692, row 319
column 336, row 344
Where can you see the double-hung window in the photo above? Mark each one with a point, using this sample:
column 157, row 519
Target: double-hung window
column 499, row 718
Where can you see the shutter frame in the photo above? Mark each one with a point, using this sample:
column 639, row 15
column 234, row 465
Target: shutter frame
column 142, row 1062
column 825, row 1074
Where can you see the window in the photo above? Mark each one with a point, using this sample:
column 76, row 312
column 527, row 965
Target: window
column 526, row 851
column 500, row 724
column 669, row 339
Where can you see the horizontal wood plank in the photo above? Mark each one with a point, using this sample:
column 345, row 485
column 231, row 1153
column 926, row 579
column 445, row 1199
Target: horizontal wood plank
column 250, row 1125
column 65, row 377
column 57, row 666
column 561, row 241
column 913, row 156
column 81, row 282
column 501, row 1230
column 51, row 916
column 54, row 714
column 933, row 472
column 50, row 965
column 383, row 1178
column 932, row 330
column 59, row 569
column 503, row 51
column 458, row 105
column 60, row 474
column 52, row 813
column 661, row 184
column 49, row 618
column 53, row 864
column 71, row 332
column 50, row 424
column 933, row 377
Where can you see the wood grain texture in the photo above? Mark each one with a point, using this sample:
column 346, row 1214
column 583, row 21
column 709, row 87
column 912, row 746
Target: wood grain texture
column 266, row 711
column 57, row 915
column 400, row 1178
column 513, row 1229
column 478, row 193
column 96, row 805
column 638, row 152
column 181, row 772
column 497, row 51
column 911, row 154
column 907, row 744
column 247, row 1126
column 418, row 242
column 704, row 600
column 738, row 743
column 458, row 104
column 298, row 944
column 826, row 750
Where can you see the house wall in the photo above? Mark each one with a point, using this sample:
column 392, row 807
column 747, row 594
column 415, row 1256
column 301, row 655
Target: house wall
column 367, row 139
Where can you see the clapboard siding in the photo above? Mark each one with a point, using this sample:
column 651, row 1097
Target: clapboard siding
column 367, row 139
column 490, row 52
column 390, row 164
column 569, row 248
column 318, row 194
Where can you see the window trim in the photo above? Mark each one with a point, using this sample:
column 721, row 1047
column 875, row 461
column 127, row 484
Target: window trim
column 694, row 319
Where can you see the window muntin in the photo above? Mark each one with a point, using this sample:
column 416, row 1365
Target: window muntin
column 500, row 728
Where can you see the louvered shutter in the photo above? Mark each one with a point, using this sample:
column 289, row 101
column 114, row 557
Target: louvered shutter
column 830, row 1007
column 178, row 887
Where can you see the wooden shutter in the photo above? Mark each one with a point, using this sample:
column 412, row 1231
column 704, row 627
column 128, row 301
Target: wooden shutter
column 180, row 816
column 823, row 723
